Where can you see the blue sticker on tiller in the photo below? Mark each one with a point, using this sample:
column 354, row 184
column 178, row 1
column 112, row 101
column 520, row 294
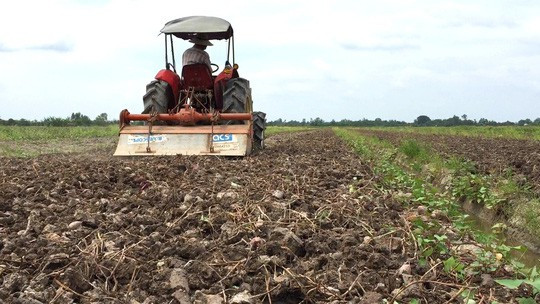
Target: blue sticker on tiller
column 143, row 139
column 222, row 138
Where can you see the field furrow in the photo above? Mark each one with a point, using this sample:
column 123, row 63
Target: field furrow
column 491, row 155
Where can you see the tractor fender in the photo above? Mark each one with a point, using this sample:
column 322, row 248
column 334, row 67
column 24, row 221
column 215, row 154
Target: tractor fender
column 172, row 79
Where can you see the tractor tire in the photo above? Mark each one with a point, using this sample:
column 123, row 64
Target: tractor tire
column 158, row 97
column 259, row 125
column 236, row 98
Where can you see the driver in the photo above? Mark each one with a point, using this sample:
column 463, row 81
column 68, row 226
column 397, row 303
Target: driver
column 197, row 53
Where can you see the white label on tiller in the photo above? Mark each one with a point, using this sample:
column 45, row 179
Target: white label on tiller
column 226, row 146
column 225, row 142
column 140, row 139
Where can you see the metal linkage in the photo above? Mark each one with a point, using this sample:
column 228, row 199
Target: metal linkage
column 186, row 116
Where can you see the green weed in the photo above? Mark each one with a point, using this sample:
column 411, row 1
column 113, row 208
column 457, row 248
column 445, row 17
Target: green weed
column 412, row 149
column 515, row 132
column 6, row 150
column 454, row 267
column 475, row 188
column 20, row 133
column 464, row 183
column 527, row 211
column 271, row 130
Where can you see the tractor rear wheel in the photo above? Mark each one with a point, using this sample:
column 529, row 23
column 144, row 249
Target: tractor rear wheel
column 157, row 98
column 259, row 125
column 236, row 98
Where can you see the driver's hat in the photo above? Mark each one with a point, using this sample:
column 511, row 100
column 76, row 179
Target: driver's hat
column 200, row 41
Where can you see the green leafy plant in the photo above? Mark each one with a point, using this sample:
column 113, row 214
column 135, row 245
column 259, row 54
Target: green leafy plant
column 454, row 267
column 412, row 149
column 462, row 182
column 515, row 283
column 475, row 188
column 526, row 301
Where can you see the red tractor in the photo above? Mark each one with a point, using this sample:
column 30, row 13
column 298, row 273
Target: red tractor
column 194, row 112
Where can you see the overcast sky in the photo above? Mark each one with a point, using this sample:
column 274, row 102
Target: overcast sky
column 389, row 59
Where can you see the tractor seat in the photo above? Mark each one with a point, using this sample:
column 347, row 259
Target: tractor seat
column 197, row 76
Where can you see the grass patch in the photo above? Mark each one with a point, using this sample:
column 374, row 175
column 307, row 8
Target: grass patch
column 20, row 133
column 271, row 130
column 527, row 212
column 514, row 132
column 33, row 148
column 9, row 151
column 31, row 141
column 440, row 186
column 414, row 150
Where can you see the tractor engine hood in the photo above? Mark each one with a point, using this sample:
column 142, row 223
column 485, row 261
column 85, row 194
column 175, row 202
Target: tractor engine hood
column 199, row 26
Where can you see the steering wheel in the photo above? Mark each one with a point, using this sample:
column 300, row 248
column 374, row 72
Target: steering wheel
column 214, row 65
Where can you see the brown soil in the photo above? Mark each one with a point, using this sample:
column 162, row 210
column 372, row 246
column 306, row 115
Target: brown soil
column 490, row 155
column 279, row 227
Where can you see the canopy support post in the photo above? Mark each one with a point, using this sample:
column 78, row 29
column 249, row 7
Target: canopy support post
column 166, row 58
column 228, row 48
column 172, row 54
column 234, row 61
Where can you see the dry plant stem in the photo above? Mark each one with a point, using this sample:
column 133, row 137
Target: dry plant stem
column 29, row 224
column 230, row 271
column 264, row 214
column 455, row 295
column 173, row 224
column 460, row 291
column 411, row 234
column 65, row 287
column 133, row 275
column 352, row 285
column 267, row 284
column 265, row 293
column 427, row 281
column 430, row 269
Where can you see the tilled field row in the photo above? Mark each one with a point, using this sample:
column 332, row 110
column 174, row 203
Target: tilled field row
column 280, row 227
column 490, row 154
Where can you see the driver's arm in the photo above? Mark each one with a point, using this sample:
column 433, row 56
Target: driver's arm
column 207, row 62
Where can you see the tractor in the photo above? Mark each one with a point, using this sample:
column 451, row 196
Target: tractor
column 194, row 112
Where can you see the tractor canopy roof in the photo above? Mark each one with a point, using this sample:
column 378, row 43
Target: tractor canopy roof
column 199, row 26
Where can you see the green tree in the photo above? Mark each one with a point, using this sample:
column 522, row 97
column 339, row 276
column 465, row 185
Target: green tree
column 79, row 119
column 524, row 122
column 422, row 120
column 101, row 119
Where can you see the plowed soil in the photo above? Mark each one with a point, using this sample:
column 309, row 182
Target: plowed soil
column 490, row 155
column 280, row 227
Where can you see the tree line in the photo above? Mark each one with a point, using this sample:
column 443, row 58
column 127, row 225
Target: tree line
column 422, row 120
column 78, row 119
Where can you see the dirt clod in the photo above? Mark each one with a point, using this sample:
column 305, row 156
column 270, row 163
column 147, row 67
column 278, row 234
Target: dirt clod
column 487, row 280
column 242, row 298
column 75, row 225
column 278, row 194
column 371, row 297
column 178, row 279
column 201, row 298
